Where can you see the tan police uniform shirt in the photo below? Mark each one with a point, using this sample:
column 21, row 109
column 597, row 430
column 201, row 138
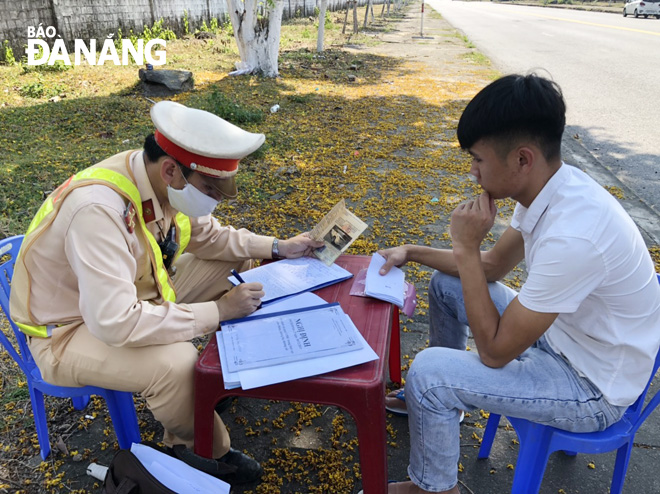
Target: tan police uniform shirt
column 89, row 269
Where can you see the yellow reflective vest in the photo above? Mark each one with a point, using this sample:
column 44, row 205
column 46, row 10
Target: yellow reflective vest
column 124, row 186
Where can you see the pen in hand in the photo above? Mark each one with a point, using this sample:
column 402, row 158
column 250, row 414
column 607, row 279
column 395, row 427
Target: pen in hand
column 237, row 276
column 241, row 280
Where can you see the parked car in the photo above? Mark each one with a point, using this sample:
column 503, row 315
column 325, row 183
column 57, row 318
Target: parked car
column 642, row 7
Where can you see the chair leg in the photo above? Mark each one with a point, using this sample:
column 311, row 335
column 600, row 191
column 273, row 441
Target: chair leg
column 80, row 402
column 40, row 421
column 620, row 467
column 124, row 418
column 489, row 436
column 532, row 458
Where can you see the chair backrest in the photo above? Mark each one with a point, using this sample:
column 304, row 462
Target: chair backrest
column 636, row 412
column 9, row 248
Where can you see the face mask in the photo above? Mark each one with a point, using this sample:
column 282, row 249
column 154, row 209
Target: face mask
column 191, row 201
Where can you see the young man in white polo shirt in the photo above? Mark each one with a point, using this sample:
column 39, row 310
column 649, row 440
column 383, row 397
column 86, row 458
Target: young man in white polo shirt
column 576, row 346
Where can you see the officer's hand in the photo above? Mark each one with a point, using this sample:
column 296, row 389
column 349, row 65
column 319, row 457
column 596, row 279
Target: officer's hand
column 298, row 246
column 396, row 256
column 240, row 301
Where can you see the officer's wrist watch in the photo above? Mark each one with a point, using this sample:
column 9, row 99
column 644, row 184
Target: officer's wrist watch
column 275, row 253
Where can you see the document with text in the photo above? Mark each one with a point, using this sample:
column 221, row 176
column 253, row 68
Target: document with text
column 337, row 230
column 293, row 276
column 288, row 336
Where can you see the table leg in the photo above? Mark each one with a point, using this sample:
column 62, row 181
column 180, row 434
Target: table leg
column 204, row 409
column 372, row 437
column 395, row 348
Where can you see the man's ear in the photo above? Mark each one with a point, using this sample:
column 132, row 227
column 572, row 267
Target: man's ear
column 526, row 157
column 168, row 170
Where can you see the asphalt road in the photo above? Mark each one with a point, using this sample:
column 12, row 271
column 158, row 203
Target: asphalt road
column 607, row 66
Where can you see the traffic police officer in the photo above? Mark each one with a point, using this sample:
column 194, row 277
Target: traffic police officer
column 123, row 265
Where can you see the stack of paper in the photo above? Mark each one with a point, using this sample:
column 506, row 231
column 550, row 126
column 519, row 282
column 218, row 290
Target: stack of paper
column 293, row 276
column 391, row 287
column 297, row 337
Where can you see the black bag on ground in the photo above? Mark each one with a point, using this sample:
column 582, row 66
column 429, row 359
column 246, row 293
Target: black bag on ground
column 126, row 475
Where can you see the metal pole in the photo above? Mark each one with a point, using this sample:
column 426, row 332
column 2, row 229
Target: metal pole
column 421, row 32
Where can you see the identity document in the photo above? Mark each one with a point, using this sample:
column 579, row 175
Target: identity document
column 337, row 230
column 288, row 337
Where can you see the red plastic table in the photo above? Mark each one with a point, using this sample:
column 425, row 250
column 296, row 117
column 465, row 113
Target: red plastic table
column 359, row 389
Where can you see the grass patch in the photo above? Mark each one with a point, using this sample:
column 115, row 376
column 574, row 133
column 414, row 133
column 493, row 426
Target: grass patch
column 225, row 107
column 478, row 58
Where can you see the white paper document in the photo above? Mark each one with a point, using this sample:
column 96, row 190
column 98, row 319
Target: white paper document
column 390, row 287
column 266, row 376
column 232, row 380
column 289, row 336
column 175, row 474
column 273, row 374
column 292, row 276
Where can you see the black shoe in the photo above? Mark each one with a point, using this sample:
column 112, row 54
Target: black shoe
column 247, row 468
column 233, row 468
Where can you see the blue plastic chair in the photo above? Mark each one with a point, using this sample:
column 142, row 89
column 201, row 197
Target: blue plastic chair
column 538, row 441
column 120, row 404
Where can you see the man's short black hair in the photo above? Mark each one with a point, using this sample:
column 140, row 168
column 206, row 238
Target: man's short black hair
column 154, row 152
column 516, row 108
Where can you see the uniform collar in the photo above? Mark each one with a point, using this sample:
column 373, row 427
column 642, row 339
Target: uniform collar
column 525, row 219
column 151, row 208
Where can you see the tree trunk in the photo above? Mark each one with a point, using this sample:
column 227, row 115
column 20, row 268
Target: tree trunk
column 319, row 38
column 258, row 39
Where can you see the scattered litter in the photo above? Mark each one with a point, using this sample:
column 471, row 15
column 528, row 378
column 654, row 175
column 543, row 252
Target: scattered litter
column 274, row 108
column 59, row 444
column 125, row 141
column 435, row 199
column 90, row 417
column 97, row 471
column 242, row 68
column 345, row 168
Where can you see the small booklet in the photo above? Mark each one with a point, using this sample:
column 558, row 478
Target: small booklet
column 292, row 276
column 289, row 336
column 337, row 230
column 391, row 287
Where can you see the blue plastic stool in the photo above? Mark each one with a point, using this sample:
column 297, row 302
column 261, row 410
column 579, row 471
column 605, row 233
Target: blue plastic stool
column 120, row 404
column 538, row 441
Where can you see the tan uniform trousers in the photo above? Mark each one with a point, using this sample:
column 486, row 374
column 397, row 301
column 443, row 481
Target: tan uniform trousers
column 162, row 374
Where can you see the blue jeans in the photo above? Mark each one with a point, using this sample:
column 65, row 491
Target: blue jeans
column 539, row 385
